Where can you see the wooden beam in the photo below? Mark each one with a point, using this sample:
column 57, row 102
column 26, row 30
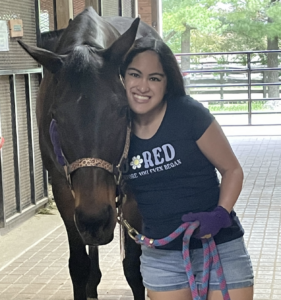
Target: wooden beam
column 94, row 3
column 136, row 9
column 64, row 12
column 155, row 14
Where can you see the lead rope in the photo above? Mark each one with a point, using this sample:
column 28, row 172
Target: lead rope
column 210, row 256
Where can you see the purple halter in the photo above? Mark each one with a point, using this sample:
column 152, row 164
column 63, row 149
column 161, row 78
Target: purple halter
column 56, row 142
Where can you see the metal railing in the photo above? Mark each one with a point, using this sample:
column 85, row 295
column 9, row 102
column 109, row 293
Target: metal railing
column 204, row 85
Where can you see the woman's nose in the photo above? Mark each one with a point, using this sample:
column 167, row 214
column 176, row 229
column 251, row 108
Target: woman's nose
column 143, row 86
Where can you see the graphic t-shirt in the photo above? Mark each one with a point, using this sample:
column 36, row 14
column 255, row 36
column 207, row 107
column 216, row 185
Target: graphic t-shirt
column 170, row 176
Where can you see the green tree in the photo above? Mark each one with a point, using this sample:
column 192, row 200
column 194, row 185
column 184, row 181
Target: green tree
column 180, row 19
column 225, row 25
column 256, row 20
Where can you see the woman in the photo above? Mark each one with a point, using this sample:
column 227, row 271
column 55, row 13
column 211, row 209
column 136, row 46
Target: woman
column 176, row 147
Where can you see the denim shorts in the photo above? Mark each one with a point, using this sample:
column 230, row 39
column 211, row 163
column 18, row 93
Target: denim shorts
column 163, row 270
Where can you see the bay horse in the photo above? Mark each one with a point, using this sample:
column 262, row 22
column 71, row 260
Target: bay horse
column 82, row 92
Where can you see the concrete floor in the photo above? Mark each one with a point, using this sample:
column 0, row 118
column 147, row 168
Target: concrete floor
column 34, row 256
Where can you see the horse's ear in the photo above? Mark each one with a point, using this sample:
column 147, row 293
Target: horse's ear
column 50, row 60
column 122, row 45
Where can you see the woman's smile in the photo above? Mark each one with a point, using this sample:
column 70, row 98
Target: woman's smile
column 141, row 98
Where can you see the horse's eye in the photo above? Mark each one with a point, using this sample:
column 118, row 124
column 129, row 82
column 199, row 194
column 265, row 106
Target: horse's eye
column 53, row 116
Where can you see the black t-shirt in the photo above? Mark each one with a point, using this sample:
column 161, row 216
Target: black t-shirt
column 170, row 176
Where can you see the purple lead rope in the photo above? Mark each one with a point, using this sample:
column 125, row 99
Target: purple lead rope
column 211, row 256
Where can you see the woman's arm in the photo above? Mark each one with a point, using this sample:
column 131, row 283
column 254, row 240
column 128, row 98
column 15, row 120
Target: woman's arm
column 215, row 146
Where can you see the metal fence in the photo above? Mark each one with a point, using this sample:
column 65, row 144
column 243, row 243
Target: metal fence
column 235, row 86
column 47, row 19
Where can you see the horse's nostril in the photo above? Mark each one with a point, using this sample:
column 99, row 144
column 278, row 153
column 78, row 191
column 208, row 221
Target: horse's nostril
column 95, row 223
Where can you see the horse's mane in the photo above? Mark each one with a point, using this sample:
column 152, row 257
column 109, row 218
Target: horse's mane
column 87, row 28
column 50, row 39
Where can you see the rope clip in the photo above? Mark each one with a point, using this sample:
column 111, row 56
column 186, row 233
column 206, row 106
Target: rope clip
column 131, row 231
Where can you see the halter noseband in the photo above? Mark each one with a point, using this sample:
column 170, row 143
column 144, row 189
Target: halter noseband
column 100, row 163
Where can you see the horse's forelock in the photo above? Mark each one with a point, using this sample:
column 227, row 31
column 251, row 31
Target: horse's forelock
column 81, row 61
column 78, row 59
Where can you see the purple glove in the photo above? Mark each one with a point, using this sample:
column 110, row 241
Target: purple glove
column 210, row 222
column 56, row 142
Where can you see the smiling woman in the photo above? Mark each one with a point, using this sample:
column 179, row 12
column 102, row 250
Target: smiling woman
column 175, row 150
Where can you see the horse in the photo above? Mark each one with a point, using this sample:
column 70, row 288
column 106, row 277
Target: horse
column 82, row 93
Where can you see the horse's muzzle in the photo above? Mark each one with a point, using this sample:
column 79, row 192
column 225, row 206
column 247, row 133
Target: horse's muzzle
column 96, row 228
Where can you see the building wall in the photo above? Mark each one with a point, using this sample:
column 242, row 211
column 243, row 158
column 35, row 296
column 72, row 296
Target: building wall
column 107, row 7
column 78, row 6
column 22, row 186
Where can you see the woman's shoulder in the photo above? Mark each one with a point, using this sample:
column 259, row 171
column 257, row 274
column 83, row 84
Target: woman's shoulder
column 187, row 105
column 191, row 116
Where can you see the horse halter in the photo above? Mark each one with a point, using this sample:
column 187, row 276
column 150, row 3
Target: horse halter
column 116, row 170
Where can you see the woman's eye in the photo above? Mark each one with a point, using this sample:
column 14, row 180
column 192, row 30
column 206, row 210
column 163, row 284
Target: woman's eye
column 134, row 74
column 155, row 79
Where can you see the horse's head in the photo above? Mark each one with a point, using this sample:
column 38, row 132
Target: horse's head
column 89, row 105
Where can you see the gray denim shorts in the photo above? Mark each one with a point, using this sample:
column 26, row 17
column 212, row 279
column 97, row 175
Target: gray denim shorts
column 163, row 270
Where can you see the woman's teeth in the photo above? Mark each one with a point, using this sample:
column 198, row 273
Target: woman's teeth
column 141, row 97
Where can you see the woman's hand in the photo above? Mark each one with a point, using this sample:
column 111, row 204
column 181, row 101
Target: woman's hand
column 210, row 222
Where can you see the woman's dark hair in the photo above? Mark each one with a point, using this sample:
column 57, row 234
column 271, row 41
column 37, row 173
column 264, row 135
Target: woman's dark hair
column 175, row 85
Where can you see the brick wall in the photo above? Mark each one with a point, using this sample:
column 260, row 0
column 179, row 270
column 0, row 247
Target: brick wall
column 78, row 6
column 144, row 8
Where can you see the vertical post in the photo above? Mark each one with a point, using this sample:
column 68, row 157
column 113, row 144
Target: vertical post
column 45, row 172
column 120, row 8
column 46, row 182
column 185, row 59
column 30, row 124
column 264, row 88
column 160, row 18
column 37, row 21
column 16, row 147
column 2, row 212
column 135, row 8
column 55, row 14
column 156, row 15
column 249, row 89
column 96, row 4
column 221, row 88
column 64, row 12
